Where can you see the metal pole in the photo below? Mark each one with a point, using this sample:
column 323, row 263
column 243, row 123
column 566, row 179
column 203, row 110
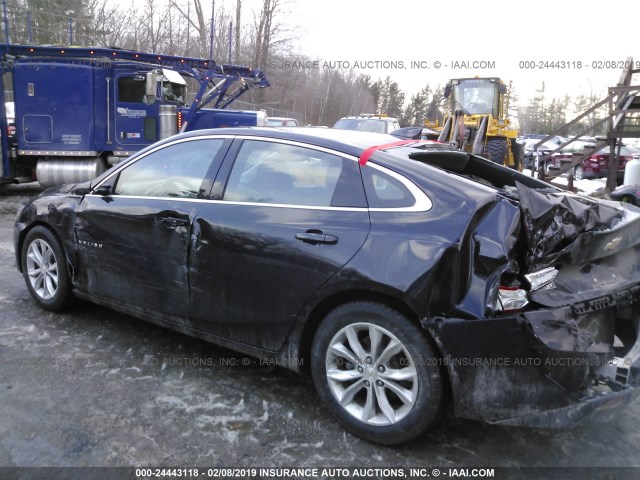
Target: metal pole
column 230, row 39
column 70, row 31
column 188, row 50
column 5, row 20
column 29, row 26
column 213, row 9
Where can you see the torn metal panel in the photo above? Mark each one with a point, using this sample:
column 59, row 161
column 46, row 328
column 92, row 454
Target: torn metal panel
column 489, row 254
column 555, row 222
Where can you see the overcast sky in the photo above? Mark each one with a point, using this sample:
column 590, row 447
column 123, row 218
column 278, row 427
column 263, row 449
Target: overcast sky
column 505, row 33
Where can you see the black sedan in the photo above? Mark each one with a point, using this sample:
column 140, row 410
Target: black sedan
column 406, row 280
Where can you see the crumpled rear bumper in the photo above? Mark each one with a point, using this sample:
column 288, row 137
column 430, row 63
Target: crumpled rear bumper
column 547, row 368
column 593, row 410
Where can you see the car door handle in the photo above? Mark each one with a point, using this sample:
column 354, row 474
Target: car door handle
column 173, row 222
column 314, row 237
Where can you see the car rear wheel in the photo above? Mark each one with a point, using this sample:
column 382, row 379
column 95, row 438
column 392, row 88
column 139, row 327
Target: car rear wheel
column 44, row 269
column 578, row 173
column 377, row 373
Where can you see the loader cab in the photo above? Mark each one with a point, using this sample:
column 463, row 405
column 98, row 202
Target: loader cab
column 476, row 96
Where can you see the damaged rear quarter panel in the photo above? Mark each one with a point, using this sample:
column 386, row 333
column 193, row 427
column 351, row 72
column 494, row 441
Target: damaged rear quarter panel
column 448, row 259
column 538, row 366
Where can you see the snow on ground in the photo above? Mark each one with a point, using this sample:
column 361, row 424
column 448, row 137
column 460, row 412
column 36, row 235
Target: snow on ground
column 586, row 187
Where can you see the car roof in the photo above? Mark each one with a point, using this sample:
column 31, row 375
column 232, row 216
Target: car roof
column 351, row 142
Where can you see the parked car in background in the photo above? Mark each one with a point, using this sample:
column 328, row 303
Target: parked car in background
column 532, row 156
column 634, row 151
column 281, row 122
column 595, row 165
column 557, row 140
column 406, row 280
column 627, row 193
column 368, row 123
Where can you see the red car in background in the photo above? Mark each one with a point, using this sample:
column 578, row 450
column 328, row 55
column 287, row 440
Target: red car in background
column 594, row 166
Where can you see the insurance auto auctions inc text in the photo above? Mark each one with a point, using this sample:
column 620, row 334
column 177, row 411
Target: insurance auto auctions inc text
column 409, row 473
column 418, row 64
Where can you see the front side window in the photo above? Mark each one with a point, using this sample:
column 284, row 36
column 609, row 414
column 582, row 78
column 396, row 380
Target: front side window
column 177, row 170
column 130, row 90
column 277, row 173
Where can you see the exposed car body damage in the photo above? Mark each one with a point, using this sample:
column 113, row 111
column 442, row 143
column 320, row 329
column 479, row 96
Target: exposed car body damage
column 530, row 294
column 553, row 222
column 573, row 352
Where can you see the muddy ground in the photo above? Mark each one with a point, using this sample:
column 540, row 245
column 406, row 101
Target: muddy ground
column 91, row 387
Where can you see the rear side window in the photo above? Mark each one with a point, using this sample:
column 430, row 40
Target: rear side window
column 384, row 191
column 283, row 174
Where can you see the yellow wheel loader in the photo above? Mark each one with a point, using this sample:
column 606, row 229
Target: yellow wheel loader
column 477, row 121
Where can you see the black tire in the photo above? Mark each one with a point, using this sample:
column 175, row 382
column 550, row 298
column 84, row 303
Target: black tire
column 44, row 269
column 397, row 410
column 518, row 155
column 497, row 150
column 578, row 173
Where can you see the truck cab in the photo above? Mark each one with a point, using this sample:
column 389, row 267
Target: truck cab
column 79, row 110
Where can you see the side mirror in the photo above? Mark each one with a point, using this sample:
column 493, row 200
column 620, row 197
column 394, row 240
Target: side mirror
column 150, row 87
column 82, row 191
column 447, row 90
column 103, row 190
column 503, row 88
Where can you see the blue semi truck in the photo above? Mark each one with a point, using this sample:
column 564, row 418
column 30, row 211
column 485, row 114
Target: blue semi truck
column 80, row 110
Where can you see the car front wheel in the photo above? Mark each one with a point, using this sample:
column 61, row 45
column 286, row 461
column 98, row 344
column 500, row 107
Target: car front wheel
column 44, row 269
column 377, row 373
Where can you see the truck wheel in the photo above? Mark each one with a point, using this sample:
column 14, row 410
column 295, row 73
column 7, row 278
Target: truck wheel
column 518, row 155
column 497, row 149
column 44, row 269
column 373, row 368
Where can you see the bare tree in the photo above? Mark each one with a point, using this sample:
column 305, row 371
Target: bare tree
column 199, row 24
column 108, row 24
column 154, row 23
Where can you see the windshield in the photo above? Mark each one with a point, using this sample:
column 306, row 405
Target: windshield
column 362, row 124
column 173, row 92
column 477, row 96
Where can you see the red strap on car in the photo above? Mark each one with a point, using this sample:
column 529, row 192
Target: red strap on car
column 369, row 151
